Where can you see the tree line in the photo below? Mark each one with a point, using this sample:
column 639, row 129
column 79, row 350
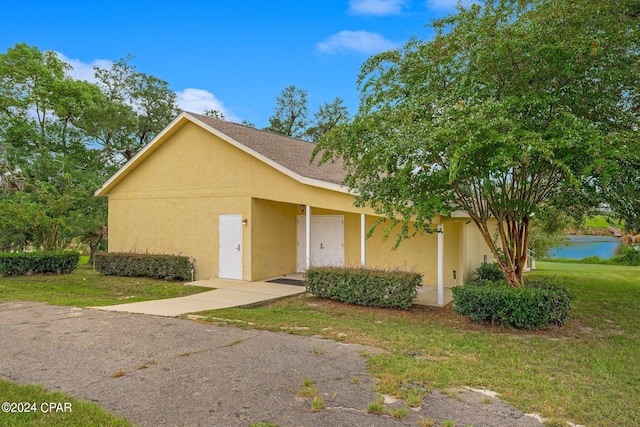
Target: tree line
column 61, row 138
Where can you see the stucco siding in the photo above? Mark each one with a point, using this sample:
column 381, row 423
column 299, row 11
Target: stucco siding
column 171, row 201
column 273, row 235
column 418, row 253
column 474, row 249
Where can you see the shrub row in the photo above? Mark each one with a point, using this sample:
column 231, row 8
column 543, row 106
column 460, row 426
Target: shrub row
column 165, row 267
column 376, row 288
column 537, row 304
column 26, row 263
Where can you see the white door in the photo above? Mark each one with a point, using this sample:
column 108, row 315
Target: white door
column 327, row 241
column 230, row 246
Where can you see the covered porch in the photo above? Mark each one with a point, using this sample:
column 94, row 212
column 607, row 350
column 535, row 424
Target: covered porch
column 311, row 235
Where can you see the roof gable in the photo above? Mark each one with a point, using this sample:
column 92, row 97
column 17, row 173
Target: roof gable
column 291, row 156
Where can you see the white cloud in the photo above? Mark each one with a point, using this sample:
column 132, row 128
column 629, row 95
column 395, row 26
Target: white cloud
column 82, row 70
column 200, row 100
column 362, row 42
column 376, row 7
column 190, row 99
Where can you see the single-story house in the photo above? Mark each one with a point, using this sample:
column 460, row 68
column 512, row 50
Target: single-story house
column 251, row 205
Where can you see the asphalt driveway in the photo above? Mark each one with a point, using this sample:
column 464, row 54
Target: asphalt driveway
column 181, row 373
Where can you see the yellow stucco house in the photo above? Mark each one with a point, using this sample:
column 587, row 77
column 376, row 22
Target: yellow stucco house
column 248, row 204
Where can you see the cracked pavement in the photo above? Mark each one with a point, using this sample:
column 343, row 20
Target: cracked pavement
column 179, row 372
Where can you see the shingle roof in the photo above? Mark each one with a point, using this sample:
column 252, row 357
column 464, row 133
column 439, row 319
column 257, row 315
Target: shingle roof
column 290, row 153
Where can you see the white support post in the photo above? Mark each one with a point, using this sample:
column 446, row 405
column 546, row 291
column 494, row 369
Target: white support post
column 363, row 238
column 308, row 237
column 440, row 265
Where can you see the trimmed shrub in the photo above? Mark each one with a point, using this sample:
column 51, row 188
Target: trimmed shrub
column 375, row 288
column 490, row 272
column 539, row 303
column 41, row 262
column 165, row 267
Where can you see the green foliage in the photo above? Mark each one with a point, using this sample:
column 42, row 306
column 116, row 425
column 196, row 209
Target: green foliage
column 489, row 271
column 27, row 263
column 328, row 116
column 290, row 114
column 511, row 108
column 376, row 288
column 630, row 256
column 537, row 304
column 165, row 267
column 61, row 138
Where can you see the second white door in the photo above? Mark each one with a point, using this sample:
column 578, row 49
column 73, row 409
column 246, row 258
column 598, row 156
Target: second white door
column 327, row 241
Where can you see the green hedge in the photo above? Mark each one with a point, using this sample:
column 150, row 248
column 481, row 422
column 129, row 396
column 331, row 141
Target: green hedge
column 165, row 267
column 489, row 271
column 376, row 288
column 26, row 263
column 539, row 303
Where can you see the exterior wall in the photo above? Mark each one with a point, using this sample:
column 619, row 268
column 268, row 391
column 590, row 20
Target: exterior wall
column 171, row 201
column 474, row 249
column 419, row 252
column 273, row 236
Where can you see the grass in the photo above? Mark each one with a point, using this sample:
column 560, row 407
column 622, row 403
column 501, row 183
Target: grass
column 585, row 372
column 85, row 287
column 81, row 414
column 599, row 221
column 317, row 404
column 376, row 408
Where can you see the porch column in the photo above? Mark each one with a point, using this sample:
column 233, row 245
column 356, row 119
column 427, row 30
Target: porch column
column 307, row 231
column 363, row 238
column 440, row 264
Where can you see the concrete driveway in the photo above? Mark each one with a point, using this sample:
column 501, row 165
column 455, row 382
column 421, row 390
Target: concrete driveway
column 181, row 373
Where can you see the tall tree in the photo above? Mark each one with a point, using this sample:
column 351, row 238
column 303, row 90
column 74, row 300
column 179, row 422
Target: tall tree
column 513, row 105
column 328, row 116
column 136, row 107
column 290, row 116
column 48, row 170
column 61, row 138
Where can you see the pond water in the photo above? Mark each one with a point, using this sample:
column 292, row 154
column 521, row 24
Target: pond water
column 579, row 247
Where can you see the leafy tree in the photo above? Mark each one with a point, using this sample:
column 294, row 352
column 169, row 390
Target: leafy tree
column 328, row 116
column 290, row 116
column 136, row 107
column 511, row 107
column 216, row 114
column 61, row 138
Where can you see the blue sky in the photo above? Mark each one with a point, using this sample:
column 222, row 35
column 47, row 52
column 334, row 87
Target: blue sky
column 234, row 56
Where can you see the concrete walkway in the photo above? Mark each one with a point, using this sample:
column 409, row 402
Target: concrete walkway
column 236, row 293
column 227, row 293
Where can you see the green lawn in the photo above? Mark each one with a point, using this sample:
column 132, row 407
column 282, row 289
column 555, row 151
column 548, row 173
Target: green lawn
column 586, row 372
column 599, row 221
column 84, row 287
column 71, row 412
